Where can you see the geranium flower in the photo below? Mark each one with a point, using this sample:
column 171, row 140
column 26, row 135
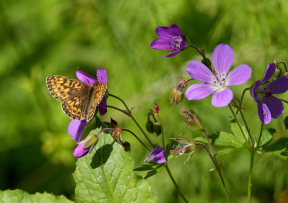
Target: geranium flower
column 217, row 83
column 80, row 150
column 171, row 38
column 76, row 127
column 269, row 106
column 157, row 155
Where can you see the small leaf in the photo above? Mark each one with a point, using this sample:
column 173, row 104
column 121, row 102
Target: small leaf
column 237, row 132
column 144, row 167
column 106, row 175
column 266, row 137
column 20, row 196
column 228, row 140
column 278, row 148
column 150, row 173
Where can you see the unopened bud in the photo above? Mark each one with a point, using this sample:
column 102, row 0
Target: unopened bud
column 192, row 119
column 176, row 96
column 156, row 108
column 149, row 126
column 157, row 128
column 91, row 141
column 126, row 146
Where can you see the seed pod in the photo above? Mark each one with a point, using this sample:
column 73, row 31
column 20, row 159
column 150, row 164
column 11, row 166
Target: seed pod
column 157, row 128
column 149, row 126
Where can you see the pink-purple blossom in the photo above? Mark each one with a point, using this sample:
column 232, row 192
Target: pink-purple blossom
column 269, row 106
column 80, row 150
column 217, row 83
column 157, row 155
column 171, row 38
column 76, row 127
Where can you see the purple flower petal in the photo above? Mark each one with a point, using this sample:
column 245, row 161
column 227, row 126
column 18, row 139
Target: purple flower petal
column 76, row 129
column 157, row 155
column 222, row 98
column 269, row 72
column 168, row 32
column 264, row 113
column 275, row 106
column 253, row 92
column 162, row 43
column 223, row 57
column 240, row 75
column 84, row 77
column 103, row 106
column 173, row 53
column 278, row 86
column 198, row 91
column 199, row 71
column 80, row 151
column 102, row 75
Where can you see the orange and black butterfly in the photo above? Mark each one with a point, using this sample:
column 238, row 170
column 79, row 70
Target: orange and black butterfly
column 79, row 100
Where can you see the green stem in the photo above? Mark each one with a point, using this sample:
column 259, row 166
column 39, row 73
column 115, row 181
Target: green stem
column 162, row 131
column 259, row 139
column 202, row 53
column 235, row 117
column 209, row 143
column 242, row 97
column 247, row 128
column 143, row 132
column 250, row 176
column 128, row 112
column 175, row 184
column 136, row 138
column 218, row 169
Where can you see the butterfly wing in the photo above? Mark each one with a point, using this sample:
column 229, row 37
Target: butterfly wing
column 75, row 107
column 64, row 88
column 96, row 96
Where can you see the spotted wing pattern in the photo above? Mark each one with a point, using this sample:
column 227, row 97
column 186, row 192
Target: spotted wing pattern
column 79, row 101
column 64, row 88
column 96, row 97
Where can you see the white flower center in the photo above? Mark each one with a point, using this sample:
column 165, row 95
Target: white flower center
column 219, row 81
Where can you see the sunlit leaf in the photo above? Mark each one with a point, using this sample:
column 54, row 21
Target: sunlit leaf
column 20, row 196
column 106, row 175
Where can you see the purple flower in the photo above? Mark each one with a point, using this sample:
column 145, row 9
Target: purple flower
column 76, row 127
column 157, row 155
column 269, row 106
column 218, row 83
column 80, row 150
column 171, row 38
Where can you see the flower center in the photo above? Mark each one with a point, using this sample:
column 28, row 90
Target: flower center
column 263, row 93
column 175, row 42
column 219, row 81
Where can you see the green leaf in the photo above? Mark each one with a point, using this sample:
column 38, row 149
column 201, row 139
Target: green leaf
column 237, row 132
column 278, row 148
column 266, row 137
column 21, row 196
column 228, row 140
column 106, row 175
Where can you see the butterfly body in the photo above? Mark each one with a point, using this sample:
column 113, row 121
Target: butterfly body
column 79, row 100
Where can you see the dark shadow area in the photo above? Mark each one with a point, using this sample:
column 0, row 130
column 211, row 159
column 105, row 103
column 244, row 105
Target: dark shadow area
column 102, row 155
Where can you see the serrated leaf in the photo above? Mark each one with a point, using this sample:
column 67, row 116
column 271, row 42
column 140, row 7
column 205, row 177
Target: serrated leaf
column 237, row 132
column 20, row 196
column 278, row 148
column 106, row 175
column 228, row 140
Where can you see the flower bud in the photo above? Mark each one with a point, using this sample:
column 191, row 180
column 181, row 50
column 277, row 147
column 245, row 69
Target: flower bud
column 176, row 96
column 149, row 126
column 157, row 128
column 156, row 108
column 157, row 155
column 192, row 119
column 127, row 146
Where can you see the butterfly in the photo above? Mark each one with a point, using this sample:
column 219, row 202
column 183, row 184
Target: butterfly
column 79, row 100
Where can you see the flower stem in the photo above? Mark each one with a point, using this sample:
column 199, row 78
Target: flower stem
column 242, row 97
column 235, row 117
column 136, row 138
column 247, row 128
column 202, row 53
column 162, row 131
column 250, row 176
column 175, row 184
column 209, row 143
column 129, row 113
column 218, row 169
column 259, row 139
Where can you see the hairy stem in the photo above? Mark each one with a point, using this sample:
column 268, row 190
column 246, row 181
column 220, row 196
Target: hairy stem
column 250, row 176
column 218, row 169
column 136, row 138
column 202, row 53
column 175, row 184
column 259, row 139
column 209, row 143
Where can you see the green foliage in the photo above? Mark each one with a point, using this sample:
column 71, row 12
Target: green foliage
column 278, row 148
column 106, row 175
column 19, row 196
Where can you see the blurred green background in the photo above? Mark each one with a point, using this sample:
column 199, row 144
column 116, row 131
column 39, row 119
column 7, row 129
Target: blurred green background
column 40, row 38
